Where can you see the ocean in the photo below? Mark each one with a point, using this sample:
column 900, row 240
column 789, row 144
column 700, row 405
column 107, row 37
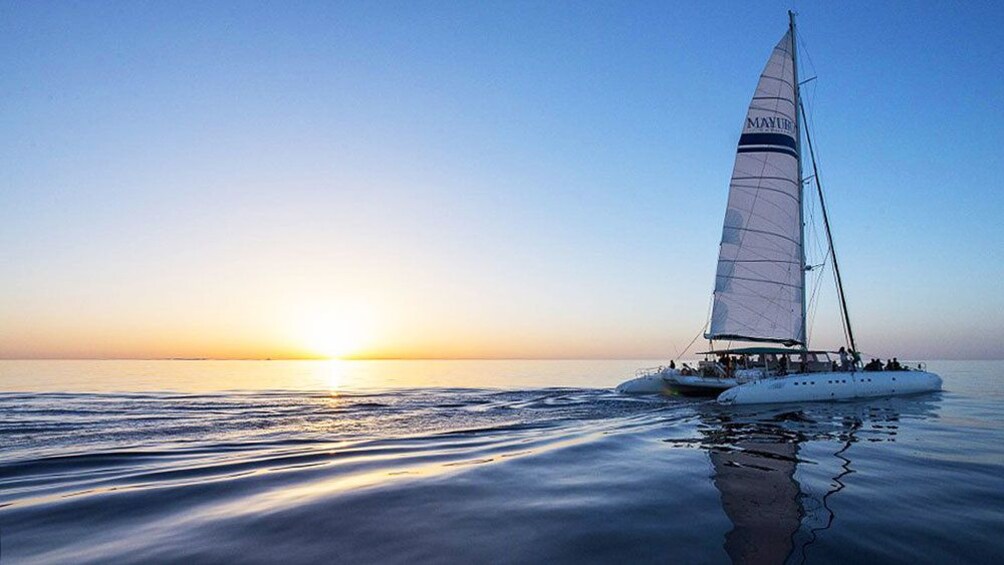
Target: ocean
column 483, row 461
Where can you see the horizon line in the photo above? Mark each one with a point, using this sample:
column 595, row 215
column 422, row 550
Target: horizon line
column 389, row 358
column 403, row 358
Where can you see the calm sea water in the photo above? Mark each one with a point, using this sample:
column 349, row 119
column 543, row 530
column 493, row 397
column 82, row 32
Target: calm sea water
column 483, row 461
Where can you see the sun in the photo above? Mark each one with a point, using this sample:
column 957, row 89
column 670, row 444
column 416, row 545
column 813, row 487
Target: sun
column 335, row 333
column 332, row 340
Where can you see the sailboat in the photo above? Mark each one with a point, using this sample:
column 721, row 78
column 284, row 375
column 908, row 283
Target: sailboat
column 760, row 287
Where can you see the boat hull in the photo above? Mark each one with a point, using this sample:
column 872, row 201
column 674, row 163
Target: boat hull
column 821, row 387
column 645, row 384
column 672, row 382
column 693, row 385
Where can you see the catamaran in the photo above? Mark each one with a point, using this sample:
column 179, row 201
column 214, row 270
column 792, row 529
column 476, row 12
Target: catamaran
column 760, row 284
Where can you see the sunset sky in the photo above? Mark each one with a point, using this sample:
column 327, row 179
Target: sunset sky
column 475, row 179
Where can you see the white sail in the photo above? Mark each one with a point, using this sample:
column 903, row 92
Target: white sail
column 759, row 285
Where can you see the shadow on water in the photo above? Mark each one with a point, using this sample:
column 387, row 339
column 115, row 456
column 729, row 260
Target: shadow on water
column 757, row 454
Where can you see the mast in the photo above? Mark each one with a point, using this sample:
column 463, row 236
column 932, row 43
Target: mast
column 798, row 152
column 829, row 238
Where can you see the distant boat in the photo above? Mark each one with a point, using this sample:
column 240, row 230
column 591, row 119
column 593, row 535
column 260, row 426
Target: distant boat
column 760, row 286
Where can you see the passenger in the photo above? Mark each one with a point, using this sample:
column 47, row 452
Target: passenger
column 672, row 364
column 889, row 366
column 783, row 365
column 844, row 360
column 895, row 365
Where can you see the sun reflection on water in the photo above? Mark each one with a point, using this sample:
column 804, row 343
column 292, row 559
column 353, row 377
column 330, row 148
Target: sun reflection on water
column 332, row 375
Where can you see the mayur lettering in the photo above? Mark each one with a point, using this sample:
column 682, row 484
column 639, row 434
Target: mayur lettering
column 770, row 123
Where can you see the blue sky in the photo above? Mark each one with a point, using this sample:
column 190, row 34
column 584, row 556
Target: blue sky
column 475, row 179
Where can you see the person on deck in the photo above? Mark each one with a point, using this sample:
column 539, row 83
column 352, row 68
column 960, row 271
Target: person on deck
column 844, row 360
column 672, row 364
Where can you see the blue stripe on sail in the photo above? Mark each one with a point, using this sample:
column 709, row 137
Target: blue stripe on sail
column 767, row 139
column 762, row 149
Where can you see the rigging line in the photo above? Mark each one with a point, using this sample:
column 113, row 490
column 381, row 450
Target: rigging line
column 843, row 319
column 813, row 294
column 703, row 330
column 829, row 251
column 822, row 267
column 810, row 296
column 814, row 301
column 691, row 344
column 829, row 237
column 818, row 276
column 815, row 227
column 819, row 279
column 810, row 127
column 808, row 55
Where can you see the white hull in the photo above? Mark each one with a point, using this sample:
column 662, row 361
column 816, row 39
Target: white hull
column 815, row 387
column 645, row 384
column 671, row 381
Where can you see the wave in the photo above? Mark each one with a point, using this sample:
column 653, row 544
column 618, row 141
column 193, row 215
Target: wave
column 453, row 474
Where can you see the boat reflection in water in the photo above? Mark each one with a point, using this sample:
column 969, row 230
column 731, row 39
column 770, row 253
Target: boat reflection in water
column 761, row 458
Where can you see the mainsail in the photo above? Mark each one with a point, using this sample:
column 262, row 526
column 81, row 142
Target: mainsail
column 759, row 285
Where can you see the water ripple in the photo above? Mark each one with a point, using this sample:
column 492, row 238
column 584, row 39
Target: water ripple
column 461, row 474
